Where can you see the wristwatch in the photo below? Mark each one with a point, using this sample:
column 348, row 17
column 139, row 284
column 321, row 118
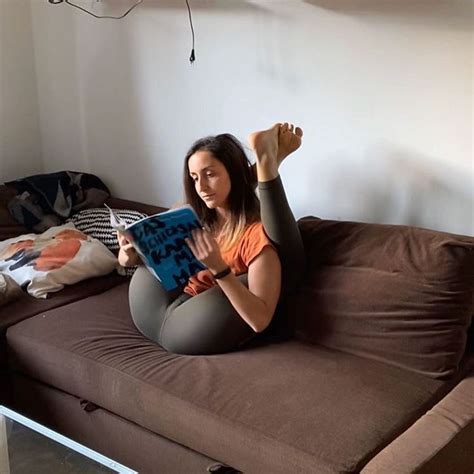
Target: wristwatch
column 222, row 274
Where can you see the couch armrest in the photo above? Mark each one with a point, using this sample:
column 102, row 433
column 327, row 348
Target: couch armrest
column 442, row 440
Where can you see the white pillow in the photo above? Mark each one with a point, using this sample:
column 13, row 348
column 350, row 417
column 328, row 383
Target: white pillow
column 60, row 256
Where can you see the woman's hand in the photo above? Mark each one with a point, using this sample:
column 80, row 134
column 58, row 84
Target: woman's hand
column 206, row 250
column 127, row 256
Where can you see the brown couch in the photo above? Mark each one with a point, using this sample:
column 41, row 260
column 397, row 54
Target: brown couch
column 368, row 367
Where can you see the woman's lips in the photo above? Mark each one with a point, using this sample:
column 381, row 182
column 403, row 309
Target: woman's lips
column 208, row 196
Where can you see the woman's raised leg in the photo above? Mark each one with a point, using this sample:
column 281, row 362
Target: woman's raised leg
column 271, row 147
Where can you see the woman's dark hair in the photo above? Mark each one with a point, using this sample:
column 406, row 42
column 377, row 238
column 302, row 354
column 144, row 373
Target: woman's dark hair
column 243, row 202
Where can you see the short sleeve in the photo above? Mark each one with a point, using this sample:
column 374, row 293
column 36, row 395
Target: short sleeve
column 254, row 241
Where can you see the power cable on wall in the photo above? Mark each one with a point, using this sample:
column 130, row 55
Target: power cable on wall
column 55, row 2
column 192, row 58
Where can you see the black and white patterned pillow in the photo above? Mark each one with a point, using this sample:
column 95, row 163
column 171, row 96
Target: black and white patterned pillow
column 96, row 223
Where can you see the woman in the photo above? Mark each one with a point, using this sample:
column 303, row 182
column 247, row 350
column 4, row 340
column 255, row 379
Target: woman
column 244, row 246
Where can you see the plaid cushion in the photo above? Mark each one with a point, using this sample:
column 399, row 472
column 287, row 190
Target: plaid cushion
column 96, row 223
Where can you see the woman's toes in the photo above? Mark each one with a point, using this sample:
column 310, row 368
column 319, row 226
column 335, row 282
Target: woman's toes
column 299, row 132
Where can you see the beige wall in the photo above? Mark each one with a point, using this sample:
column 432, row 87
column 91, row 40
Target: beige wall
column 20, row 141
column 382, row 88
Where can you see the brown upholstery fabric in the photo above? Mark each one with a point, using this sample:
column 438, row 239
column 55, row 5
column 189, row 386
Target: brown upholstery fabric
column 4, row 387
column 444, row 436
column 27, row 306
column 3, row 353
column 457, row 456
column 396, row 294
column 110, row 435
column 288, row 407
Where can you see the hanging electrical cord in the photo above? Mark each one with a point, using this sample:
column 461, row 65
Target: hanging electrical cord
column 192, row 58
column 55, row 2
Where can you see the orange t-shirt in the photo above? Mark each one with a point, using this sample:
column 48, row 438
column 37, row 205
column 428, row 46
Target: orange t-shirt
column 238, row 257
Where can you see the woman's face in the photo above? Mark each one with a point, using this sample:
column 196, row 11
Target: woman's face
column 211, row 180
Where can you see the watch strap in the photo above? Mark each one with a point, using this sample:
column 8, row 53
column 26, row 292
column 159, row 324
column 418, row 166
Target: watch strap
column 222, row 274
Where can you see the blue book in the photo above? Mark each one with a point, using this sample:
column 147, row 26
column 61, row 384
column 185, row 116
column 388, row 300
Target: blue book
column 159, row 240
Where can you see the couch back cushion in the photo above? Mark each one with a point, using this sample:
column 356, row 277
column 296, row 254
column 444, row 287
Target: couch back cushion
column 117, row 203
column 396, row 294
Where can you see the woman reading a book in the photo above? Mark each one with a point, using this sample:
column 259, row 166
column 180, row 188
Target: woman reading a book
column 245, row 244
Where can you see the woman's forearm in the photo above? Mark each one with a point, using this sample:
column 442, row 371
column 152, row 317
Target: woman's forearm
column 252, row 309
column 255, row 304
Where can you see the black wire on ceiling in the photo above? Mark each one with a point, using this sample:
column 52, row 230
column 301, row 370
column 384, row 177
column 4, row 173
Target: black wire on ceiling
column 55, row 2
column 192, row 58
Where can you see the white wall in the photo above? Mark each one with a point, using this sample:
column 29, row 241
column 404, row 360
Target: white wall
column 20, row 141
column 382, row 88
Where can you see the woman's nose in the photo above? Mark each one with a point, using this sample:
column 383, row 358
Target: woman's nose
column 201, row 186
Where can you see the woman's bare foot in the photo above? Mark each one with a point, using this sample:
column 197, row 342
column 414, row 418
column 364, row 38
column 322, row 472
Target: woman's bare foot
column 289, row 140
column 272, row 146
column 265, row 145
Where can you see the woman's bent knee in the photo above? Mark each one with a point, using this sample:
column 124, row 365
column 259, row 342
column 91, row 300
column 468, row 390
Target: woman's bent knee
column 148, row 302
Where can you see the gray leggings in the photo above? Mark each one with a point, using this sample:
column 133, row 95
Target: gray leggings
column 208, row 323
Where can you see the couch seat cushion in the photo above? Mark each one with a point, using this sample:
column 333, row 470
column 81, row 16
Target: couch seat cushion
column 27, row 306
column 280, row 408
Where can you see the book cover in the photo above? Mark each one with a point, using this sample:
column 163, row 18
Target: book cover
column 159, row 240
